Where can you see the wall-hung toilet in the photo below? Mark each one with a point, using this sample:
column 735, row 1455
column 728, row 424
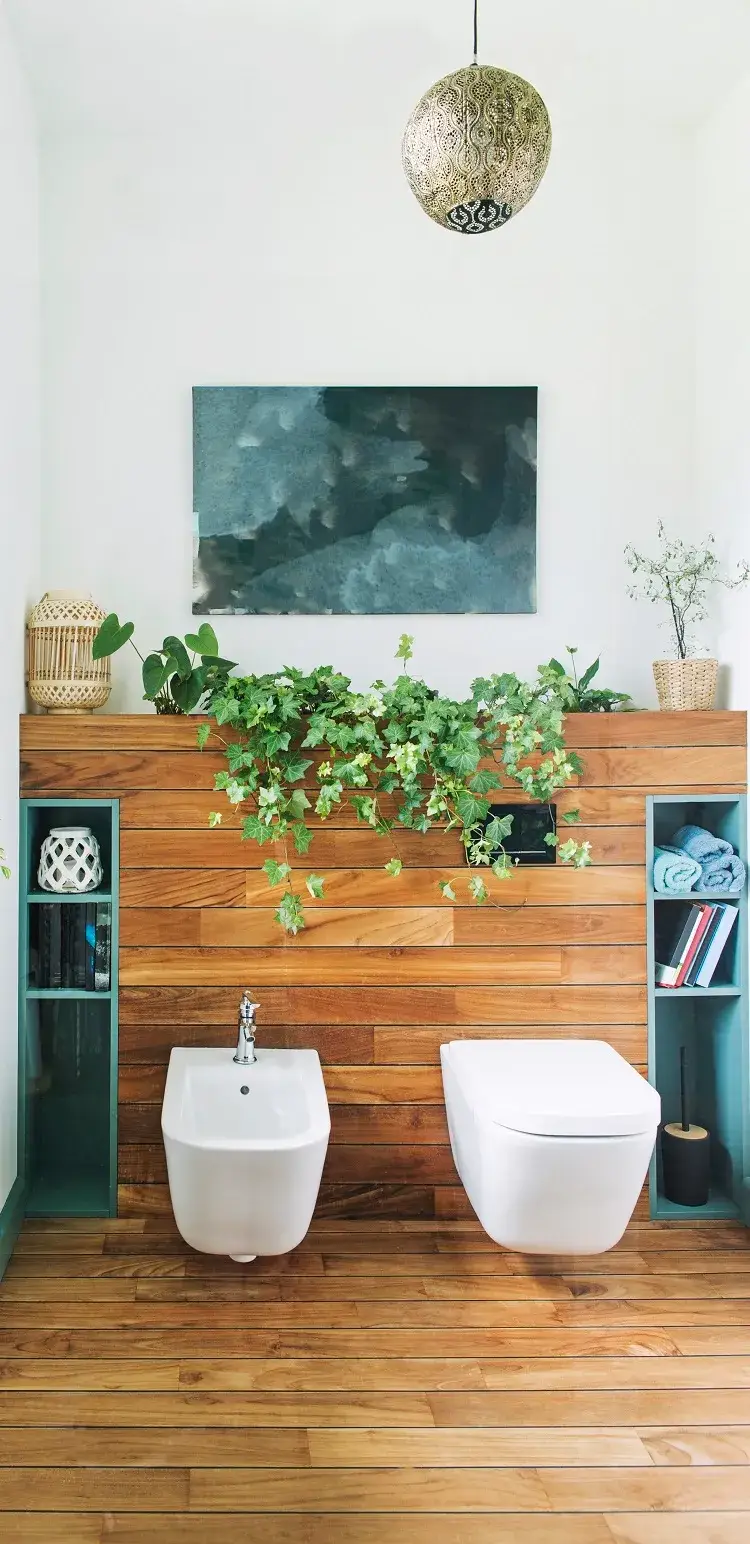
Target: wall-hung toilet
column 552, row 1139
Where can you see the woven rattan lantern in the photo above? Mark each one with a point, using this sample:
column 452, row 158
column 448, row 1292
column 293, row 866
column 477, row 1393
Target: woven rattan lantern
column 476, row 147
column 63, row 675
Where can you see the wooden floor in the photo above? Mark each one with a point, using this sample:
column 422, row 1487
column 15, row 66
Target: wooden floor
column 388, row 1383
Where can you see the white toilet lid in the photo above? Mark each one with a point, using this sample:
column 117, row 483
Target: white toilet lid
column 554, row 1087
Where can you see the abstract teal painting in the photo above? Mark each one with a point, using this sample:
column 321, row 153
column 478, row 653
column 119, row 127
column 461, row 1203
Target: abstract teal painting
column 364, row 500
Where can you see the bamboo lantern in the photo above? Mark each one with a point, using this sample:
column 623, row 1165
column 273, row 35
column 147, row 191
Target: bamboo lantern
column 63, row 675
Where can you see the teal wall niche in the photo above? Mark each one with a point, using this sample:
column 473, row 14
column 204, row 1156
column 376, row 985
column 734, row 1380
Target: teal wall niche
column 711, row 1022
column 67, row 1034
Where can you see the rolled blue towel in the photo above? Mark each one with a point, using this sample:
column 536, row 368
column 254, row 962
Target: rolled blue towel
column 674, row 871
column 721, row 869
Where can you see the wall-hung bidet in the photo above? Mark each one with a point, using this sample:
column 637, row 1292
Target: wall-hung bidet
column 246, row 1137
column 552, row 1139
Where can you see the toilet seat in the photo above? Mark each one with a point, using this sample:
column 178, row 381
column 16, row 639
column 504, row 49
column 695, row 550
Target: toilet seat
column 553, row 1088
column 551, row 1139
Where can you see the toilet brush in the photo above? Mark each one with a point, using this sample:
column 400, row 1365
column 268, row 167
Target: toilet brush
column 685, row 1153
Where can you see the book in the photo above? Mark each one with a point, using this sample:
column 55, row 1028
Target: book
column 55, row 943
column 77, row 934
column 704, row 945
column 42, row 978
column 716, row 946
column 674, row 933
column 102, row 949
column 90, row 946
column 699, row 933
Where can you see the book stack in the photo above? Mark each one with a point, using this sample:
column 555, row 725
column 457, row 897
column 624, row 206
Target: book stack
column 73, row 946
column 689, row 941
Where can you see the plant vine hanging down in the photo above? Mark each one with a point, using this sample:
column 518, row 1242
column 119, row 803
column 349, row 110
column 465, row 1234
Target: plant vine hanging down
column 436, row 759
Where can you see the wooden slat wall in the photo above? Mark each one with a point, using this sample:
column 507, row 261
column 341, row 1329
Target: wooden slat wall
column 385, row 970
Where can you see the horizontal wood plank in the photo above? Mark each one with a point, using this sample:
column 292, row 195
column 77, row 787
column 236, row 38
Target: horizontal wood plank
column 382, row 927
column 449, row 1006
column 506, row 965
column 147, row 731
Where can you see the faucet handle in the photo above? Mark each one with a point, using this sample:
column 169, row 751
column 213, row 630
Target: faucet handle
column 248, row 1009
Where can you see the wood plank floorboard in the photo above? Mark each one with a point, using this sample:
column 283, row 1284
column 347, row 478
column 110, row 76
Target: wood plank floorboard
column 388, row 1383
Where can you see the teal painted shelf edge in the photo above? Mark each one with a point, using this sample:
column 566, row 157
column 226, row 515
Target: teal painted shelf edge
column 11, row 1217
column 37, row 897
column 726, row 1020
column 718, row 1206
column 96, row 1196
column 697, row 991
column 65, row 994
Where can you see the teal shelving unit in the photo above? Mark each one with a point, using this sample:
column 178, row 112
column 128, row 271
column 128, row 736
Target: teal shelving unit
column 67, row 1035
column 712, row 1022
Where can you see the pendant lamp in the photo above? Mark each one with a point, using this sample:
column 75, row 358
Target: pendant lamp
column 476, row 147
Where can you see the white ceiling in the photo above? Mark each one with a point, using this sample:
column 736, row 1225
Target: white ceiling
column 119, row 66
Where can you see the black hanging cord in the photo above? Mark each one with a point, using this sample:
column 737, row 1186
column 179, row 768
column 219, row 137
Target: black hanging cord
column 476, row 31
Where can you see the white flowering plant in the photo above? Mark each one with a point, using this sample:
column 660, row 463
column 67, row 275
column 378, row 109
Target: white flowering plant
column 679, row 578
column 402, row 756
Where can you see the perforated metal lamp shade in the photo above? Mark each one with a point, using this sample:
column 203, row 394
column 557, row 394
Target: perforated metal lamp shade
column 476, row 148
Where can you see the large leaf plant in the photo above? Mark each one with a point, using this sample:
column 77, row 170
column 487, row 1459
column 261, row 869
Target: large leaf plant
column 439, row 760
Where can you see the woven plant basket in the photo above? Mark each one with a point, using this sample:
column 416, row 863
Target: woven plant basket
column 685, row 685
column 63, row 675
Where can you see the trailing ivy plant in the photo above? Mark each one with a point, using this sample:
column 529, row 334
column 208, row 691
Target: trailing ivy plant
column 435, row 759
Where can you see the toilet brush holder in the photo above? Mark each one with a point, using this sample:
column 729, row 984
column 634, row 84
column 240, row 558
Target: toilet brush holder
column 686, row 1163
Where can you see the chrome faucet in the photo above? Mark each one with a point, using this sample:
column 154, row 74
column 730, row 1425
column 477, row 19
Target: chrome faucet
column 245, row 1053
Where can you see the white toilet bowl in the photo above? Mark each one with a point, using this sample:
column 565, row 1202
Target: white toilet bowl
column 552, row 1139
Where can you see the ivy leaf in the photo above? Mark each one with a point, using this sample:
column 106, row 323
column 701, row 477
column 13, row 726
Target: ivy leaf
column 302, row 836
column 551, row 839
column 296, row 769
column 226, row 710
column 497, row 829
column 502, row 868
column 394, row 867
column 297, row 803
column 315, row 886
column 255, row 830
column 471, row 810
column 571, row 817
column 276, row 872
column 405, row 650
column 214, row 818
column 478, row 889
column 447, row 889
column 202, row 735
column 462, row 756
column 484, row 781
column 290, row 913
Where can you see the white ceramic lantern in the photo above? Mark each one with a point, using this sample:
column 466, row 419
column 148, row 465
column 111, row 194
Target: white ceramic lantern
column 70, row 861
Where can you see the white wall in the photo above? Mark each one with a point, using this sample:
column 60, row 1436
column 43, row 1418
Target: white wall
column 19, row 456
column 723, row 363
column 169, row 264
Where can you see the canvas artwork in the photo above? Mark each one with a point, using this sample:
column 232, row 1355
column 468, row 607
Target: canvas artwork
column 364, row 500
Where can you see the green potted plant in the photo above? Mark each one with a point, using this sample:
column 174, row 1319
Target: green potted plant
column 679, row 578
column 180, row 675
column 578, row 692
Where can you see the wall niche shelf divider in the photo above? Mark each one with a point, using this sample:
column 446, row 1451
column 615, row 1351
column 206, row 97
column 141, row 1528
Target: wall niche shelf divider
column 712, row 1022
column 67, row 1057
